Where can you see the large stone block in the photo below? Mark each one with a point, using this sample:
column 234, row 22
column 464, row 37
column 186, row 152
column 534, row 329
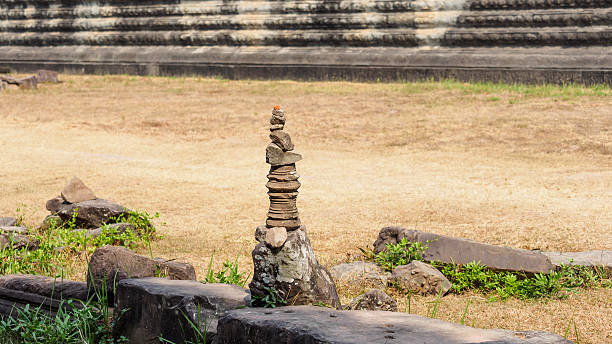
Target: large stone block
column 12, row 301
column 110, row 264
column 447, row 249
column 156, row 307
column 593, row 259
column 45, row 286
column 319, row 325
column 90, row 214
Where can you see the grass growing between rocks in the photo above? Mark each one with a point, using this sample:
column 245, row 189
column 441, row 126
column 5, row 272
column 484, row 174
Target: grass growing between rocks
column 522, row 166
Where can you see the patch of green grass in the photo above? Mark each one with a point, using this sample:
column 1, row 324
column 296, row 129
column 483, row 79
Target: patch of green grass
column 228, row 274
column 401, row 253
column 271, row 299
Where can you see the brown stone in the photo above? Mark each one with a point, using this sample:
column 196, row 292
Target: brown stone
column 290, row 224
column 276, row 157
column 418, row 277
column 43, row 75
column 45, row 286
column 276, row 237
column 282, row 139
column 54, row 204
column 110, row 264
column 76, row 191
column 28, row 83
column 374, row 300
column 283, row 186
column 274, row 127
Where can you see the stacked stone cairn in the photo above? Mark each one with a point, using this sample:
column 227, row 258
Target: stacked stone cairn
column 284, row 261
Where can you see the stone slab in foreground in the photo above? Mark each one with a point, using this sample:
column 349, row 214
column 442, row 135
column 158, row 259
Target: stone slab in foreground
column 159, row 307
column 318, row 325
column 592, row 259
column 55, row 288
column 447, row 249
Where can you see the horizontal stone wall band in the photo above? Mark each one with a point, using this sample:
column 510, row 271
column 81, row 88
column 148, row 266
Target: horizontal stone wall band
column 513, row 19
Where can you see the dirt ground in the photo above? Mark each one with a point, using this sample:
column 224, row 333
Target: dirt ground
column 525, row 169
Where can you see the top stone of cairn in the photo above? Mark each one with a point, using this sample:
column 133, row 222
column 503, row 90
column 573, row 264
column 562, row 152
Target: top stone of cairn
column 76, row 191
column 278, row 151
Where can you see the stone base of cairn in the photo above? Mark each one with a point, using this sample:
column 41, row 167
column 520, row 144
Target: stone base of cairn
column 285, row 263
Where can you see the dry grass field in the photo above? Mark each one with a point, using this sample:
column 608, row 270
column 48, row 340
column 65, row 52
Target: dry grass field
column 526, row 167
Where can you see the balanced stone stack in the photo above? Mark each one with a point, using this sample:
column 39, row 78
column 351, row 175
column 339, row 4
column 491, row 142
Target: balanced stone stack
column 284, row 260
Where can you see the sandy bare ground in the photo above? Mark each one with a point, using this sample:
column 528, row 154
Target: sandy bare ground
column 526, row 170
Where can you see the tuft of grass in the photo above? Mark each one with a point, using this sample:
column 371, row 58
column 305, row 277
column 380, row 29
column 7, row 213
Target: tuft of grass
column 271, row 299
column 229, row 274
column 398, row 254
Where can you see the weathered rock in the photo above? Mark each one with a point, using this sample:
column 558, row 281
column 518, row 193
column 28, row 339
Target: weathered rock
column 43, row 75
column 110, row 264
column 46, row 286
column 55, row 204
column 319, row 325
column 76, row 191
column 50, row 221
column 362, row 273
column 91, row 214
column 274, row 127
column 157, row 307
column 293, row 272
column 282, row 140
column 276, row 237
column 28, row 83
column 592, row 259
column 461, row 251
column 18, row 241
column 421, row 278
column 374, row 300
column 8, row 221
column 276, row 157
column 14, row 229
column 12, row 301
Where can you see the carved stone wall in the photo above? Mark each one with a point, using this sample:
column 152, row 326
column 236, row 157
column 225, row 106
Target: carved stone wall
column 499, row 40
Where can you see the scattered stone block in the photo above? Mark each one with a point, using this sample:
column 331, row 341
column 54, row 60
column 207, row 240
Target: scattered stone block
column 28, row 83
column 43, row 76
column 281, row 139
column 14, row 229
column 592, row 259
column 90, row 214
column 8, row 221
column 45, row 286
column 276, row 157
column 55, row 204
column 119, row 228
column 158, row 307
column 50, row 221
column 18, row 241
column 319, row 325
column 421, row 278
column 76, row 191
column 276, row 237
column 110, row 264
column 362, row 273
column 11, row 301
column 374, row 300
column 461, row 251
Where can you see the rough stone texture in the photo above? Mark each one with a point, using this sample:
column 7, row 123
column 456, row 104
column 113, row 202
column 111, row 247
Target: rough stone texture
column 158, row 307
column 374, row 300
column 597, row 258
column 14, row 229
column 319, row 325
column 281, row 139
column 421, row 278
column 90, row 214
column 275, row 155
column 49, row 221
column 294, row 272
column 11, row 301
column 28, row 83
column 43, row 76
column 76, row 191
column 362, row 273
column 120, row 228
column 18, row 241
column 461, row 251
column 109, row 264
column 45, row 286
column 55, row 204
column 8, row 221
column 276, row 237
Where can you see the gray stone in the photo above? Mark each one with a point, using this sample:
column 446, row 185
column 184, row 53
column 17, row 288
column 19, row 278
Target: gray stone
column 319, row 325
column 43, row 76
column 362, row 273
column 91, row 214
column 462, row 251
column 76, row 191
column 12, row 301
column 592, row 259
column 276, row 237
column 110, row 264
column 8, row 221
column 46, row 286
column 293, row 272
column 157, row 307
column 18, row 241
column 282, row 139
column 119, row 228
column 50, row 221
column 55, row 204
column 28, row 83
column 374, row 300
column 276, row 157
column 418, row 277
column 14, row 229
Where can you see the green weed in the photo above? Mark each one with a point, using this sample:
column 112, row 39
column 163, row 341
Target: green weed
column 401, row 253
column 270, row 299
column 228, row 274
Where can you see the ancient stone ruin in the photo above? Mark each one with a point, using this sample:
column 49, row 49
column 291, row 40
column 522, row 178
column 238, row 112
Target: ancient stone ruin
column 557, row 41
column 284, row 260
